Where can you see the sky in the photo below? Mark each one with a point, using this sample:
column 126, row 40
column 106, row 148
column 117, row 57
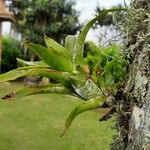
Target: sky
column 87, row 11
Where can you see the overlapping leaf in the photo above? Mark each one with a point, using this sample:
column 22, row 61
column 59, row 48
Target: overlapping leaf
column 25, row 71
column 50, row 43
column 51, row 57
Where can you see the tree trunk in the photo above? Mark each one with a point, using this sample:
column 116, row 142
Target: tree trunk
column 134, row 105
column 137, row 92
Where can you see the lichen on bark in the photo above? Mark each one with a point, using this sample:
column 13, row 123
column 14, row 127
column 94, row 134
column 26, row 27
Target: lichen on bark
column 134, row 102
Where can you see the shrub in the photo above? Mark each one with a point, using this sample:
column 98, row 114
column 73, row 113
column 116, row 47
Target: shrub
column 10, row 51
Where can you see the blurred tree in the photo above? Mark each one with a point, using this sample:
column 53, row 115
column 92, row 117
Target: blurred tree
column 55, row 18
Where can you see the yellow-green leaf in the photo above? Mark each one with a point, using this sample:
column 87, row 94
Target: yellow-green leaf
column 51, row 88
column 25, row 71
column 88, row 105
column 51, row 57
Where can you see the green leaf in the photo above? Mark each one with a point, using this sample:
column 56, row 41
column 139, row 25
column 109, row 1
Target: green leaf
column 70, row 42
column 22, row 63
column 88, row 105
column 51, row 57
column 50, row 43
column 72, row 45
column 25, row 71
column 75, row 47
column 87, row 27
column 76, row 44
column 51, row 88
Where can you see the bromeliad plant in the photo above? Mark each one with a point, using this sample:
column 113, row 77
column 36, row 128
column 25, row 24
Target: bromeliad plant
column 73, row 74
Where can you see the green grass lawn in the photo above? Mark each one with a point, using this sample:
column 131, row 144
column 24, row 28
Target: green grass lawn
column 35, row 123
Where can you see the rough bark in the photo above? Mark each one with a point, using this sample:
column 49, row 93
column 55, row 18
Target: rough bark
column 137, row 92
column 134, row 105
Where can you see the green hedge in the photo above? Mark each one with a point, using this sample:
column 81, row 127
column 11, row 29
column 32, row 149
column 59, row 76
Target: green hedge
column 11, row 50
